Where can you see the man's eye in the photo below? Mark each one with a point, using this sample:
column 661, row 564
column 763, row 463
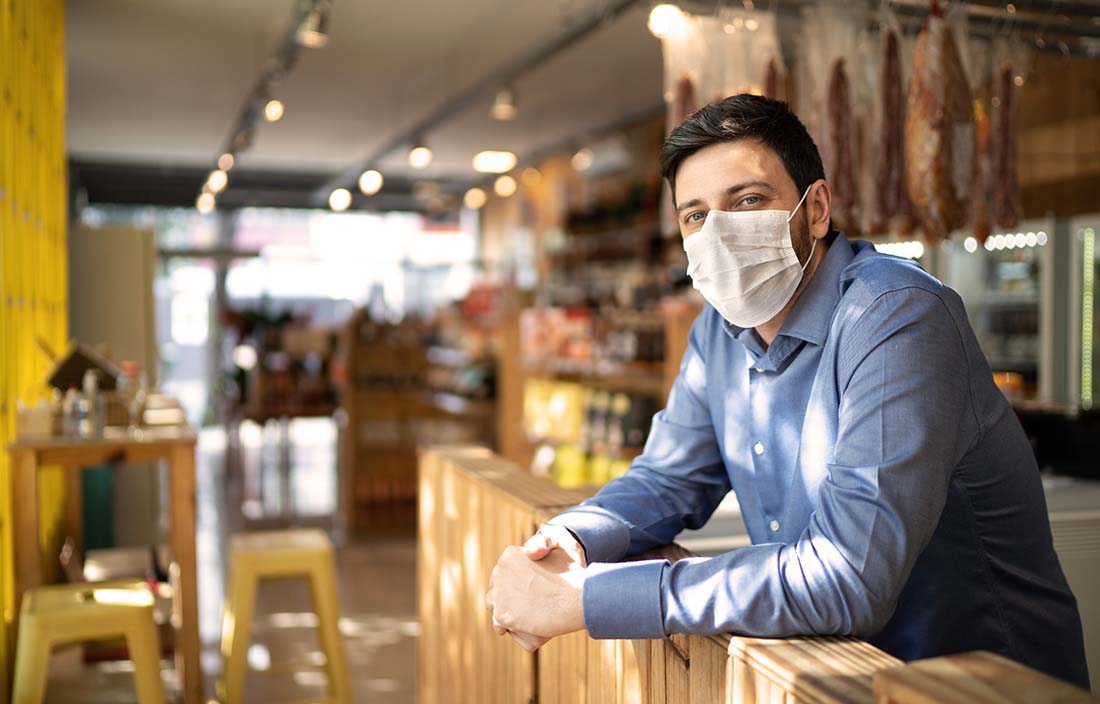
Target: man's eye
column 697, row 216
column 750, row 200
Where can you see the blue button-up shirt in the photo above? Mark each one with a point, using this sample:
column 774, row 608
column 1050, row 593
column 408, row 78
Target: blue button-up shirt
column 888, row 488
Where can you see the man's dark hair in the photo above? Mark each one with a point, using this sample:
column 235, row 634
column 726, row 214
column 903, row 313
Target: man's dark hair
column 746, row 116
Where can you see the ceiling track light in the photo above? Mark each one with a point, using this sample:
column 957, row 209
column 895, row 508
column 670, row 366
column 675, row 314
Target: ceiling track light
column 494, row 162
column 370, row 182
column 504, row 186
column 312, row 31
column 420, row 156
column 306, row 27
column 665, row 20
column 582, row 159
column 504, row 105
column 274, row 110
column 475, row 198
column 217, row 181
column 339, row 200
column 205, row 203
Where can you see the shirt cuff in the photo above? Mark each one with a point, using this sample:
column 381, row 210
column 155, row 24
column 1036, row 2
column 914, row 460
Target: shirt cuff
column 603, row 537
column 623, row 600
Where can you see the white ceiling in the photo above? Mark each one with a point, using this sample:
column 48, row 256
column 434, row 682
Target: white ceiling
column 161, row 81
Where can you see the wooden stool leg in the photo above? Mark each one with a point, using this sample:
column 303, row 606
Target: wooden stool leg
column 322, row 581
column 144, row 645
column 236, row 624
column 32, row 664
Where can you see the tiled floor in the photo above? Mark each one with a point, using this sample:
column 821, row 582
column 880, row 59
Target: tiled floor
column 376, row 576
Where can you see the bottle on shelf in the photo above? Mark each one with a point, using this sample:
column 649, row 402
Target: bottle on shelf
column 69, row 423
column 90, row 407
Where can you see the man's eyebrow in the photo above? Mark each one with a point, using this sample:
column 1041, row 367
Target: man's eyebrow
column 732, row 189
column 690, row 204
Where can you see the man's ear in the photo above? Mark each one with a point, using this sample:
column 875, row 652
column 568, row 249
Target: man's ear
column 819, row 208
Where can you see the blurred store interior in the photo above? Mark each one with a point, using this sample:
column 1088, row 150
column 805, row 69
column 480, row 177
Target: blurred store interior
column 322, row 234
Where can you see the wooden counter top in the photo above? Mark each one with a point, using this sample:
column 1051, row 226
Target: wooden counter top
column 473, row 504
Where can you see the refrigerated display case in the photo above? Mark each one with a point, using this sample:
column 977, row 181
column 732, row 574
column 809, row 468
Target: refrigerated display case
column 1031, row 295
column 1003, row 284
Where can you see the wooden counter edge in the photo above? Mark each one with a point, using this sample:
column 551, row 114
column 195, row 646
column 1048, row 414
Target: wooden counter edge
column 978, row 677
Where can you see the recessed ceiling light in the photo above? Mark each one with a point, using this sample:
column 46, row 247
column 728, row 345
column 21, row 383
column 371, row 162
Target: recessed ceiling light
column 490, row 162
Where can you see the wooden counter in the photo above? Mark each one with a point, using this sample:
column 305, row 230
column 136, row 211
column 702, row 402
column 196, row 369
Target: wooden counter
column 473, row 504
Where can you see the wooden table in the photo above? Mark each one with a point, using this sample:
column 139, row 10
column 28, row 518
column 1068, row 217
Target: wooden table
column 177, row 447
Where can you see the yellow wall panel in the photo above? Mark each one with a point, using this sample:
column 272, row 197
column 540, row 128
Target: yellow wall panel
column 33, row 262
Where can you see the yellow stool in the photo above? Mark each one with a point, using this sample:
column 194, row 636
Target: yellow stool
column 83, row 612
column 273, row 554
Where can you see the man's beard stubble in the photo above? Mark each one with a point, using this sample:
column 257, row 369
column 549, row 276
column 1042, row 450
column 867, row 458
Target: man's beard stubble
column 801, row 239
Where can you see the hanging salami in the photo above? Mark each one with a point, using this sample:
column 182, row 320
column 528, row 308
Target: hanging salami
column 842, row 169
column 888, row 203
column 983, row 175
column 683, row 104
column 771, row 80
column 939, row 132
column 1006, row 185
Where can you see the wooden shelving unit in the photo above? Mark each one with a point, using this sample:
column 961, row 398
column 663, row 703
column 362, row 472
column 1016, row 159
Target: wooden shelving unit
column 390, row 411
column 654, row 378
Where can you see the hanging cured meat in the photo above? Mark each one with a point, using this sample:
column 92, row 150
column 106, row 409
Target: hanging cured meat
column 683, row 104
column 939, row 132
column 771, row 80
column 1006, row 185
column 983, row 175
column 889, row 201
column 842, row 168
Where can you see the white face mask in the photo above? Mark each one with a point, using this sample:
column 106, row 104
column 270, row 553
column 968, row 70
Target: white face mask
column 744, row 263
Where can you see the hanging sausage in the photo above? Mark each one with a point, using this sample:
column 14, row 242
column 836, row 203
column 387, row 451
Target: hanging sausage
column 939, row 132
column 842, row 169
column 889, row 205
column 983, row 175
column 1006, row 185
column 771, row 80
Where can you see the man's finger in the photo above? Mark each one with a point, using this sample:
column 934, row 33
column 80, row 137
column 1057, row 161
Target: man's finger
column 557, row 537
column 537, row 546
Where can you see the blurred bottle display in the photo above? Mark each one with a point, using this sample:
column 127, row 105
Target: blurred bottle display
column 593, row 433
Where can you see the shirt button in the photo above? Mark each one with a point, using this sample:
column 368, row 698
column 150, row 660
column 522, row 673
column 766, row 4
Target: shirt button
column 774, row 525
column 759, row 369
column 758, row 449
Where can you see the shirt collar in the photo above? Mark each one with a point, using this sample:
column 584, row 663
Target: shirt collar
column 812, row 313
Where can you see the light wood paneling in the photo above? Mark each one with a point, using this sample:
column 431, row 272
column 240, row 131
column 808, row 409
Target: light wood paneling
column 473, row 504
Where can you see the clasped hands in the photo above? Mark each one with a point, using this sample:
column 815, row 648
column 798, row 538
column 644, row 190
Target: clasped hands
column 535, row 591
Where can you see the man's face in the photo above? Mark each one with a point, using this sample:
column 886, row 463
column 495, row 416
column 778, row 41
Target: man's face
column 735, row 176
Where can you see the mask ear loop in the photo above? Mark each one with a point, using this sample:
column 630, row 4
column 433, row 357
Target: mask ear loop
column 810, row 257
column 813, row 246
column 801, row 200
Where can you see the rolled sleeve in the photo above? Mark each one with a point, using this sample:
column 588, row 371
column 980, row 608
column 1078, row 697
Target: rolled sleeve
column 624, row 600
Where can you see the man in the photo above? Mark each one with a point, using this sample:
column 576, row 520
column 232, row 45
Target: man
column 888, row 488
